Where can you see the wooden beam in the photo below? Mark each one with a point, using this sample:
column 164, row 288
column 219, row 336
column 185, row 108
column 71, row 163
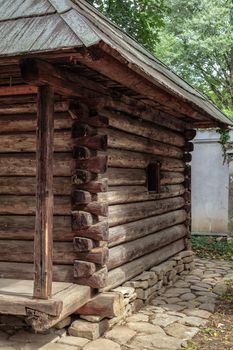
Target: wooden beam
column 65, row 82
column 111, row 67
column 17, row 90
column 43, row 241
column 109, row 304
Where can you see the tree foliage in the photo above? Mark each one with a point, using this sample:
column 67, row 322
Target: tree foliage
column 194, row 38
column 142, row 19
column 197, row 42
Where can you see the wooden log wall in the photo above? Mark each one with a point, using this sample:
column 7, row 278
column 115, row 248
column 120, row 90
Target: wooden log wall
column 17, row 188
column 145, row 227
column 89, row 202
column 80, row 229
column 107, row 226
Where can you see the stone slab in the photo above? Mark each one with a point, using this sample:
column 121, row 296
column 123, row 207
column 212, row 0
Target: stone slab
column 120, row 334
column 181, row 331
column 102, row 344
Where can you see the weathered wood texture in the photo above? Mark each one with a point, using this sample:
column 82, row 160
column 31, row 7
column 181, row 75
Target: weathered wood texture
column 110, row 304
column 22, row 270
column 18, row 186
column 189, row 135
column 104, row 216
column 127, row 271
column 131, row 250
column 43, row 239
column 89, row 181
column 145, row 227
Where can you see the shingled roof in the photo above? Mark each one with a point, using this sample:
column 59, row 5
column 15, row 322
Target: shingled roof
column 35, row 26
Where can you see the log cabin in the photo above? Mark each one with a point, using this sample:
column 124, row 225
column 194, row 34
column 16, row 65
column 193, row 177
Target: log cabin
column 95, row 151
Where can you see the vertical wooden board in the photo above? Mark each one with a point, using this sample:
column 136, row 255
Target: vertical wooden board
column 43, row 242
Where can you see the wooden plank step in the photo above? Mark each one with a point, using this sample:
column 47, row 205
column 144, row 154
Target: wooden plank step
column 16, row 299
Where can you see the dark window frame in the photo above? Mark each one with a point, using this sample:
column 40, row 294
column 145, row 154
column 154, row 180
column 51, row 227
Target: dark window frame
column 153, row 177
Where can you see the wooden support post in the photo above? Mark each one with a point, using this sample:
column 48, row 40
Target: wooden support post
column 43, row 242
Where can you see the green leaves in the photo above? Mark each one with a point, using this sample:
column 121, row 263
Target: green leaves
column 142, row 19
column 197, row 42
column 194, row 38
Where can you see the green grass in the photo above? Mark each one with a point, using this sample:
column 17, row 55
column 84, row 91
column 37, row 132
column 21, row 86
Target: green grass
column 212, row 248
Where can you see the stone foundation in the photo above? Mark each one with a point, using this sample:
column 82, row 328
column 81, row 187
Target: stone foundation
column 137, row 292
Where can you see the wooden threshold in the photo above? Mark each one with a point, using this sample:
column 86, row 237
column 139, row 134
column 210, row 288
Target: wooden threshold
column 16, row 298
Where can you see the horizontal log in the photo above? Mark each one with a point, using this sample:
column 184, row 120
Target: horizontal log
column 141, row 110
column 25, row 164
column 121, row 176
column 15, row 107
column 171, row 190
column 149, row 130
column 22, row 227
column 170, row 178
column 131, row 269
column 24, row 123
column 99, row 231
column 107, row 305
column 64, row 165
column 99, row 279
column 83, row 268
column 144, row 227
column 127, row 159
column 130, row 194
column 120, row 214
column 19, row 270
column 26, row 142
column 132, row 250
column 25, row 205
column 97, row 255
column 22, row 251
column 17, row 185
column 126, row 141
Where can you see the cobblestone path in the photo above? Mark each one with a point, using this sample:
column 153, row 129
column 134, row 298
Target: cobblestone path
column 166, row 323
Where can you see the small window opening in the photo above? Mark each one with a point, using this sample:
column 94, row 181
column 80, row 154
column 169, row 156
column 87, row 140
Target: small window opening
column 153, row 177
